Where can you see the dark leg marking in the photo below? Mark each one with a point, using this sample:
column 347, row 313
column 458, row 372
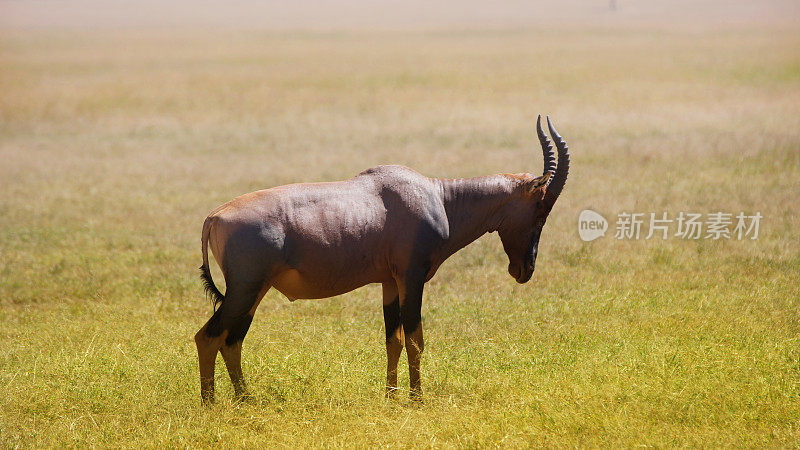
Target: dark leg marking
column 392, row 318
column 214, row 326
column 411, row 313
column 239, row 330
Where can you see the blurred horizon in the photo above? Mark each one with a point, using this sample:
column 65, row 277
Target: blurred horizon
column 323, row 15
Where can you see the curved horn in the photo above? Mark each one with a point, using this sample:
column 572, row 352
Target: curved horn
column 547, row 149
column 562, row 170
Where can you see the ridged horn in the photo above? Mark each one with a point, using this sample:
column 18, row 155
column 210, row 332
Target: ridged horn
column 562, row 169
column 547, row 149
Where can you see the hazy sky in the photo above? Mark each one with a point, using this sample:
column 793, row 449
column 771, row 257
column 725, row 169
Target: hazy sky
column 344, row 14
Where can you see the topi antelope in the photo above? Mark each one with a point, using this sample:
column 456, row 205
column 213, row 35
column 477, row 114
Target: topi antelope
column 387, row 225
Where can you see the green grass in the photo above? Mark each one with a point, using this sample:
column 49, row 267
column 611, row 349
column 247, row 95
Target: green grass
column 114, row 147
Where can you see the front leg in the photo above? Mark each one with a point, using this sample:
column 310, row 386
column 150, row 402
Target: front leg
column 411, row 316
column 394, row 335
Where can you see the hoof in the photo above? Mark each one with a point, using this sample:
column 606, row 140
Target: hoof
column 391, row 393
column 416, row 396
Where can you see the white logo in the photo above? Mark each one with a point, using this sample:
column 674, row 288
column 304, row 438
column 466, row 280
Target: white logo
column 591, row 225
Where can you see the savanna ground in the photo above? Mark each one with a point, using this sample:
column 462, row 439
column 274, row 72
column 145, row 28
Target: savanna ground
column 115, row 144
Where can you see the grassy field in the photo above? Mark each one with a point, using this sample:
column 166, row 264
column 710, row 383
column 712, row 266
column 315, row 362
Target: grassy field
column 115, row 145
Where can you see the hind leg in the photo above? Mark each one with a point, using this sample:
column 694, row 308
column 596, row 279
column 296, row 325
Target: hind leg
column 207, row 348
column 232, row 354
column 225, row 332
column 232, row 348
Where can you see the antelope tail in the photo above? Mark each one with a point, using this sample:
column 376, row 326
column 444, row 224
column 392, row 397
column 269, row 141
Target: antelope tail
column 205, row 272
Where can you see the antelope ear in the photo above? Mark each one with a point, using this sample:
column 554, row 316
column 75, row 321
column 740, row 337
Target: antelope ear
column 539, row 182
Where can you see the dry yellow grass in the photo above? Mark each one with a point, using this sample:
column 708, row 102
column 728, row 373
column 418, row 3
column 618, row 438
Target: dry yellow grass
column 114, row 146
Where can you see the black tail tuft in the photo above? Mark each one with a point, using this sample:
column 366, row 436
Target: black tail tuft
column 210, row 287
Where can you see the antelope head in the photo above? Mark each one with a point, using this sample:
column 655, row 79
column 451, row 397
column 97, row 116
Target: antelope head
column 525, row 215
